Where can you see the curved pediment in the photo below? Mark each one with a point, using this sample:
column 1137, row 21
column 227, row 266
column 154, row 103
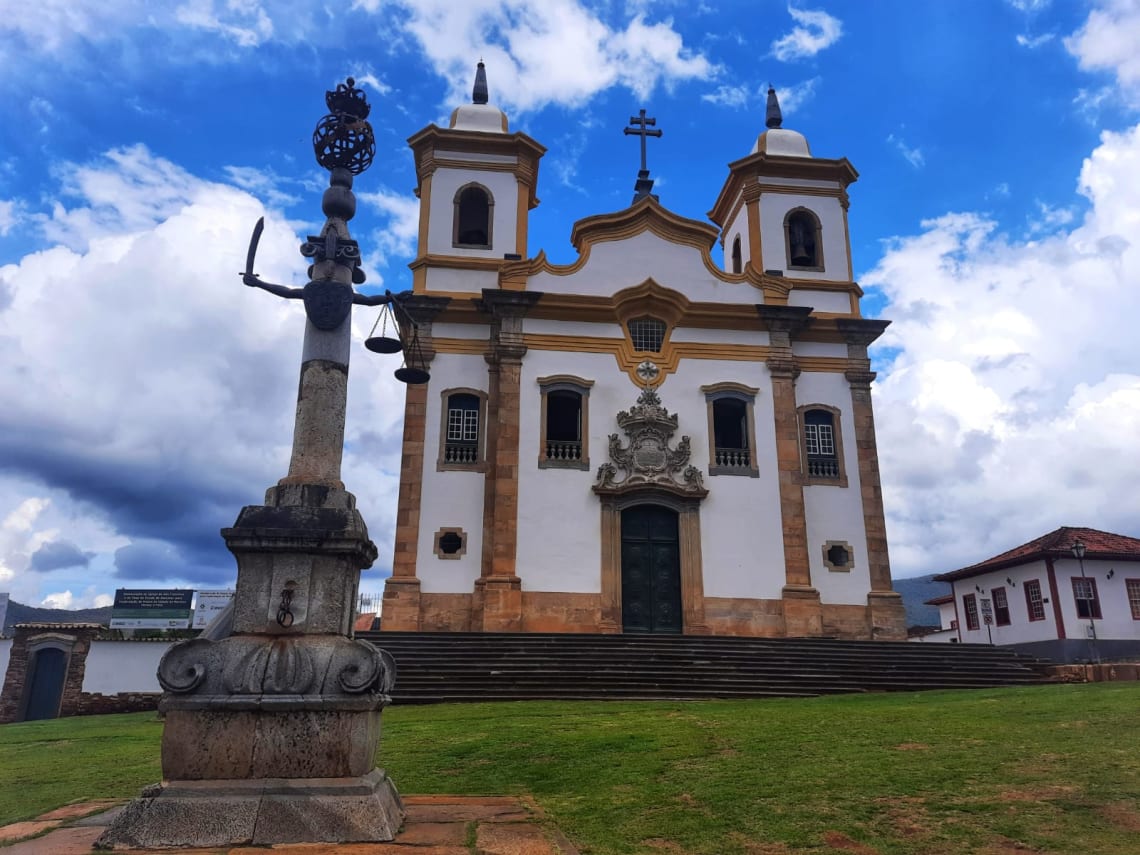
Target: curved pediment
column 646, row 215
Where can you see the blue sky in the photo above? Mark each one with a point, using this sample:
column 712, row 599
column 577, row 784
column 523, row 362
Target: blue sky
column 147, row 394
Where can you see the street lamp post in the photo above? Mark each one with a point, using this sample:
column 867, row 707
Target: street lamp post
column 1078, row 549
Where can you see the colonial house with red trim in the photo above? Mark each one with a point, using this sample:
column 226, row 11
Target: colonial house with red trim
column 1072, row 595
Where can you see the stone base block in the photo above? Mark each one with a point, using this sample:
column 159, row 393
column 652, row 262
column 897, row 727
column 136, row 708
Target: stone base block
column 803, row 614
column 888, row 617
column 261, row 812
column 502, row 604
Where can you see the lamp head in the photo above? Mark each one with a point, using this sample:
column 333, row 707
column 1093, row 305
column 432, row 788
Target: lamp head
column 1078, row 549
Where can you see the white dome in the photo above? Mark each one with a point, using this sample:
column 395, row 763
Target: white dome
column 479, row 117
column 781, row 141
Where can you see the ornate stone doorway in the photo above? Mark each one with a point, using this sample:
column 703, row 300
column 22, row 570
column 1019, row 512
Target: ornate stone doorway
column 650, row 570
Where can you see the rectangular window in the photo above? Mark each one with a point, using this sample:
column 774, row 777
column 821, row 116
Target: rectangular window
column 1133, row 588
column 819, row 439
column 1088, row 603
column 971, row 604
column 1001, row 607
column 1033, row 602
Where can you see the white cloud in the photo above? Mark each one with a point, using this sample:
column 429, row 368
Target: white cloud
column 147, row 388
column 913, row 155
column 728, row 96
column 1033, row 42
column 242, row 21
column 1108, row 42
column 795, row 96
column 1029, row 6
column 397, row 236
column 10, row 211
column 815, row 32
column 541, row 52
column 1012, row 400
column 1049, row 218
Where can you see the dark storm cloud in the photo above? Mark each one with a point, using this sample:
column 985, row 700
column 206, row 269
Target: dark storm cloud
column 57, row 555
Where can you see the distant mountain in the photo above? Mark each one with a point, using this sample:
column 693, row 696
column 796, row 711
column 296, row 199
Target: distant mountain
column 914, row 592
column 19, row 613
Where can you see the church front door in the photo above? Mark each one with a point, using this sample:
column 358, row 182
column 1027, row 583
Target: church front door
column 650, row 570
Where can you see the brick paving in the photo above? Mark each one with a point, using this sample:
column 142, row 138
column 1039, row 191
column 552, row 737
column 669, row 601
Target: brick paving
column 436, row 825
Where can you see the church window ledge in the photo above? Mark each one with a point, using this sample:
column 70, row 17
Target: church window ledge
column 647, row 334
column 803, row 240
column 564, row 431
column 821, row 446
column 473, row 218
column 732, row 430
column 462, row 437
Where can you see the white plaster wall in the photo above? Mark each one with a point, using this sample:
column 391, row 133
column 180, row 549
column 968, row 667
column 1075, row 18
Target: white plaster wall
column 445, row 183
column 1116, row 616
column 452, row 498
column 775, row 206
column 538, row 326
column 738, row 226
column 615, row 265
column 946, row 616
column 821, row 301
column 1020, row 628
column 478, row 332
column 123, row 666
column 836, row 513
column 819, row 348
column 714, row 336
column 460, row 281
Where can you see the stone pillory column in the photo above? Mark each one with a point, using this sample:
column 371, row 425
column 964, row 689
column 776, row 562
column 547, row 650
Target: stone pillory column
column 884, row 606
column 502, row 588
column 802, row 613
column 402, row 589
column 272, row 721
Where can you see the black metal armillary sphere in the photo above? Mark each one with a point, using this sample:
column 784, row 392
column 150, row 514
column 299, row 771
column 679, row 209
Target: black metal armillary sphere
column 343, row 138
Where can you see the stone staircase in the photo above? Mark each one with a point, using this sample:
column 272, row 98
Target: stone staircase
column 436, row 667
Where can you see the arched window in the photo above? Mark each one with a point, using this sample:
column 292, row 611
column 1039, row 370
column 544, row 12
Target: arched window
column 565, row 408
column 732, row 437
column 737, row 264
column 821, row 446
column 803, row 239
column 462, row 429
column 473, row 206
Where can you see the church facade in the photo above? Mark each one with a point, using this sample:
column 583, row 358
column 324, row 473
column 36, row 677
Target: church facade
column 647, row 439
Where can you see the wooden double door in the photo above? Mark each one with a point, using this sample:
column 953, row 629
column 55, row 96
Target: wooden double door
column 650, row 570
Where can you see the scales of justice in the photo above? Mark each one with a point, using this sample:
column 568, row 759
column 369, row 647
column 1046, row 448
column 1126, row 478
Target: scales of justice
column 272, row 715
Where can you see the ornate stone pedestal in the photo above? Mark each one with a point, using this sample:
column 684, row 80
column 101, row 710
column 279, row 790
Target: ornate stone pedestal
column 271, row 733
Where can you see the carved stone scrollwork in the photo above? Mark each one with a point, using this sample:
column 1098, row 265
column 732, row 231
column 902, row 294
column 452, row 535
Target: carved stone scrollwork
column 183, row 667
column 648, row 459
column 364, row 667
column 281, row 667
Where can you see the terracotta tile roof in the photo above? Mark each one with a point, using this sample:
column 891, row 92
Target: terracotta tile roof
column 939, row 601
column 1055, row 544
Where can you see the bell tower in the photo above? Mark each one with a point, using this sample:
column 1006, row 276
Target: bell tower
column 476, row 185
column 784, row 210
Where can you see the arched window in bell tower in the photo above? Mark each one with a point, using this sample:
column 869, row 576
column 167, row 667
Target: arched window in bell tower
column 737, row 264
column 803, row 239
column 473, row 208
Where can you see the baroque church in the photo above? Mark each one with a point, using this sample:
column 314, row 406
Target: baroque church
column 647, row 439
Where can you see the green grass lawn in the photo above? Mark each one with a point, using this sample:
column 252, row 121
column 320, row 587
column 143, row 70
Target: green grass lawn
column 1044, row 769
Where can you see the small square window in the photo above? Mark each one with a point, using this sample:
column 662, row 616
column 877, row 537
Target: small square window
column 838, row 556
column 647, row 334
column 450, row 543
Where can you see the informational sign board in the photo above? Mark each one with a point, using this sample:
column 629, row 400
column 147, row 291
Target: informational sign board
column 987, row 611
column 3, row 611
column 209, row 605
column 151, row 609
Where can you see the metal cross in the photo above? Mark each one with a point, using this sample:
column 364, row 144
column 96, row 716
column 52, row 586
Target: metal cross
column 643, row 122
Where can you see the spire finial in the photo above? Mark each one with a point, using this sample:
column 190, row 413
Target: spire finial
column 479, row 93
column 773, row 118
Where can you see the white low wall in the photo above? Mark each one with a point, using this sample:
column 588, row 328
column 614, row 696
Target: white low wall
column 123, row 666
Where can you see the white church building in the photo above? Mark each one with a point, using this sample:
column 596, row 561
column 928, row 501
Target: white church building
column 665, row 435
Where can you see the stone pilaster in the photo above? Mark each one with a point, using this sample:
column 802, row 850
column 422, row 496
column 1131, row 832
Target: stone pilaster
column 402, row 589
column 802, row 614
column 501, row 588
column 887, row 617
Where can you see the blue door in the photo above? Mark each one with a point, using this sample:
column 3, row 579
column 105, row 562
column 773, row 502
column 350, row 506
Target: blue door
column 45, row 688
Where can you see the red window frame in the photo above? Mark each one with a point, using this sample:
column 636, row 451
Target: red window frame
column 970, row 604
column 1132, row 587
column 1094, row 608
column 1035, row 608
column 1001, row 606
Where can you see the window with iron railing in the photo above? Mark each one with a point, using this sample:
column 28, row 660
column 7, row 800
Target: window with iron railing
column 461, row 439
column 822, row 460
column 732, row 438
column 565, row 400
